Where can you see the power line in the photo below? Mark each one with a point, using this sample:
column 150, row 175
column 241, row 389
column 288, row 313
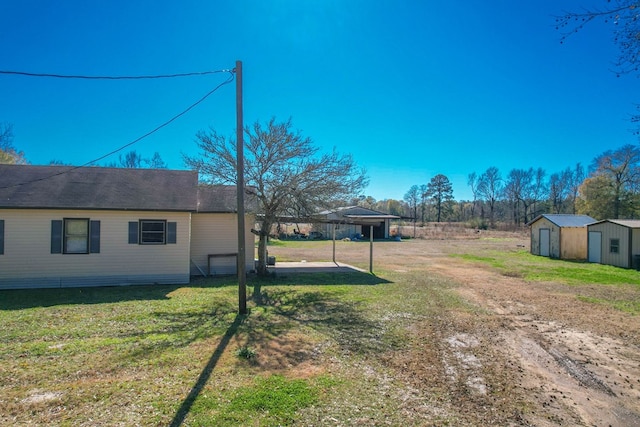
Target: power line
column 71, row 76
column 182, row 113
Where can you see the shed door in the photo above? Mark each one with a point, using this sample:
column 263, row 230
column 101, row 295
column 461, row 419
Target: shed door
column 545, row 241
column 595, row 246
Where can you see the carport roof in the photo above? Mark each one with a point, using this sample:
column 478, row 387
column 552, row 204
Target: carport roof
column 353, row 215
column 367, row 219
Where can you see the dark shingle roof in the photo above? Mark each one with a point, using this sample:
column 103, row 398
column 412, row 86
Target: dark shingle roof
column 217, row 198
column 222, row 198
column 63, row 187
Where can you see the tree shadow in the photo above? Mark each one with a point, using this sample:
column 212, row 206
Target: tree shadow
column 177, row 329
column 18, row 299
column 204, row 376
column 344, row 321
column 320, row 278
column 351, row 278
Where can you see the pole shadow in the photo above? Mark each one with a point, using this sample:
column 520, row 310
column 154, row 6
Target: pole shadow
column 202, row 380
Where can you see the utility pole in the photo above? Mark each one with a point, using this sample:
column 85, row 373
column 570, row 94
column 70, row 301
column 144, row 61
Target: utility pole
column 241, row 258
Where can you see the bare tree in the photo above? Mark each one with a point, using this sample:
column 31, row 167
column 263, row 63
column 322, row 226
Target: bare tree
column 8, row 153
column 490, row 187
column 412, row 197
column 511, row 193
column 472, row 181
column 624, row 18
column 517, row 189
column 283, row 170
column 539, row 191
column 557, row 191
column 133, row 159
column 156, row 162
column 577, row 177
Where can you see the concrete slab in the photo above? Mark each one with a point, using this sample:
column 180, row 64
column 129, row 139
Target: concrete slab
column 314, row 267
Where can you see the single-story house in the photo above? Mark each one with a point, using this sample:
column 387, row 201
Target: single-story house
column 353, row 221
column 615, row 242
column 562, row 236
column 66, row 226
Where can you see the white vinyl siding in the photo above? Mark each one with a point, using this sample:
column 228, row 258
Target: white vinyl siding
column 28, row 261
column 217, row 233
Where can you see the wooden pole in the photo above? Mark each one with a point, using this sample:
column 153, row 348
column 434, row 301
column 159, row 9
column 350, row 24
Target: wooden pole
column 241, row 258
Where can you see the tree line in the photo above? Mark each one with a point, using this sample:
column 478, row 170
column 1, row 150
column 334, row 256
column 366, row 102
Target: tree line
column 608, row 188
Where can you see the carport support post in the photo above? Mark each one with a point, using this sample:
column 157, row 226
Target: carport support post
column 334, row 243
column 371, row 249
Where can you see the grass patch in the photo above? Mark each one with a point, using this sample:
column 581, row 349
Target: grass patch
column 268, row 401
column 298, row 243
column 130, row 355
column 522, row 264
column 628, row 306
column 542, row 269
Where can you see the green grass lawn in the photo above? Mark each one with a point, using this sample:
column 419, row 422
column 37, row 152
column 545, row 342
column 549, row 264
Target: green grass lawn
column 536, row 268
column 542, row 269
column 180, row 355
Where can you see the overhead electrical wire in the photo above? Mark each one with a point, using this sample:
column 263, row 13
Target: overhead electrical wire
column 70, row 76
column 182, row 113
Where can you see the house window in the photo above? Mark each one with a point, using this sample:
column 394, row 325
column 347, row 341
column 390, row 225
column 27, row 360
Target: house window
column 152, row 232
column 614, row 246
column 76, row 236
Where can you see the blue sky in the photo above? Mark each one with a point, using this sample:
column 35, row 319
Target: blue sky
column 410, row 88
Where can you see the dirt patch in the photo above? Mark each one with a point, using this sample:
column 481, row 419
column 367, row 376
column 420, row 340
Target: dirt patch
column 576, row 364
column 530, row 354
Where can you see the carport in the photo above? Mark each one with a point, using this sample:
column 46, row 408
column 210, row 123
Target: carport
column 370, row 221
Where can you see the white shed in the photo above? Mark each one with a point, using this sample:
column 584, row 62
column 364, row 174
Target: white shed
column 615, row 242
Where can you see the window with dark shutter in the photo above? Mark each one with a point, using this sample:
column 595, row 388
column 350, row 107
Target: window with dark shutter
column 133, row 232
column 56, row 236
column 172, row 232
column 1, row 236
column 94, row 237
column 76, row 236
column 153, row 232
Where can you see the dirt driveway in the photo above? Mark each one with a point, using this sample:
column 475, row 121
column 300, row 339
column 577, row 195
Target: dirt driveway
column 534, row 354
